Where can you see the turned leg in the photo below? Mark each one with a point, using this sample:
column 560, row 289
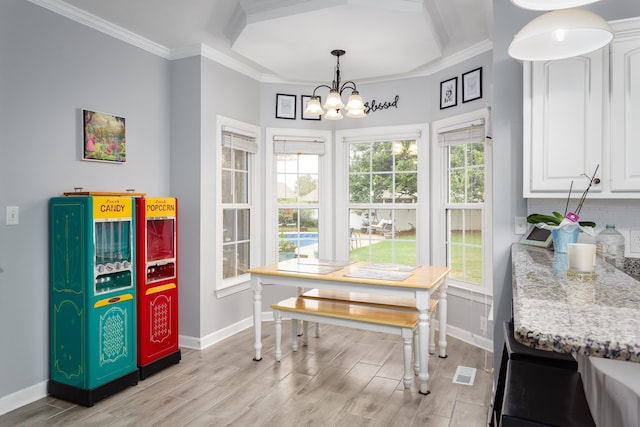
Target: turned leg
column 277, row 317
column 407, row 337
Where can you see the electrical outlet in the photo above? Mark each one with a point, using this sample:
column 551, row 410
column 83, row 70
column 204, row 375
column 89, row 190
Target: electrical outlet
column 634, row 240
column 483, row 323
column 521, row 225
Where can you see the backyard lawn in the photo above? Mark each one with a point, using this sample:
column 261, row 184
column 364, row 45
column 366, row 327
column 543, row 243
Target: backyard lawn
column 466, row 261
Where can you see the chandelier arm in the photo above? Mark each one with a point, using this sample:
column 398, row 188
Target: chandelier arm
column 318, row 87
column 345, row 85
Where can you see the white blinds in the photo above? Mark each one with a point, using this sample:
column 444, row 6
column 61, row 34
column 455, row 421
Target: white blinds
column 298, row 145
column 465, row 134
column 403, row 136
column 238, row 141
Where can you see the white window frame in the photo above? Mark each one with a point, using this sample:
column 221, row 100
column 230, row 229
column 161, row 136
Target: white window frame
column 236, row 284
column 325, row 188
column 439, row 200
column 421, row 134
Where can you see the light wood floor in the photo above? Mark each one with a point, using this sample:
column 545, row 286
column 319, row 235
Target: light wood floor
column 347, row 377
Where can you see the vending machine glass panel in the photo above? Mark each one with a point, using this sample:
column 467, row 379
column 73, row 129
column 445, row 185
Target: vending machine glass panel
column 161, row 255
column 113, row 255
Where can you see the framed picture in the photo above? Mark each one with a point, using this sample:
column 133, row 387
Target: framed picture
column 449, row 93
column 472, row 85
column 303, row 106
column 538, row 237
column 285, row 106
column 103, row 137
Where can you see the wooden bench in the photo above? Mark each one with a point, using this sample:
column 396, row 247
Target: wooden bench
column 373, row 300
column 340, row 313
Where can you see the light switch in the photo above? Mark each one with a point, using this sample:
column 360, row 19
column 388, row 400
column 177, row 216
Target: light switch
column 521, row 225
column 13, row 215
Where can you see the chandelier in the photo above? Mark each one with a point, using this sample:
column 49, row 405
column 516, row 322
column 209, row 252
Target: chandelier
column 333, row 104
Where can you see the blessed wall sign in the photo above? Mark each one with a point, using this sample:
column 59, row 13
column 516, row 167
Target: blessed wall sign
column 373, row 106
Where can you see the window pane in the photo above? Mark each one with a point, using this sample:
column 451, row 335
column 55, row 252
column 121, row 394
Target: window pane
column 406, row 190
column 229, row 225
column 457, row 186
column 307, row 186
column 243, row 224
column 308, row 163
column 359, row 158
column 456, row 156
column 406, row 155
column 382, row 188
column 241, row 187
column 228, row 261
column 465, row 244
column 476, row 185
column 240, row 158
column 476, row 154
column 243, row 258
column 473, row 265
column 381, row 158
column 227, row 189
column 359, row 189
column 226, row 157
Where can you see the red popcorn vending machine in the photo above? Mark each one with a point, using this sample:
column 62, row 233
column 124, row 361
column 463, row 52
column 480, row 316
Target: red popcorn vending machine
column 157, row 273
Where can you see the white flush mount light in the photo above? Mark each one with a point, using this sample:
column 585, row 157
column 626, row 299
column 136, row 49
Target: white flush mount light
column 560, row 34
column 550, row 4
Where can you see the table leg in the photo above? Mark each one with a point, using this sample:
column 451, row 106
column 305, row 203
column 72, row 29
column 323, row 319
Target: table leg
column 256, row 287
column 277, row 318
column 423, row 350
column 442, row 321
column 407, row 338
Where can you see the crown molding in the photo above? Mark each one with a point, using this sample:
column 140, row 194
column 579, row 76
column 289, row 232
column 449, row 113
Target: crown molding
column 104, row 26
column 216, row 56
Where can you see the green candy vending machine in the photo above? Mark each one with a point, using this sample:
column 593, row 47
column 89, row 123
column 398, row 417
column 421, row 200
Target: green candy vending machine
column 92, row 303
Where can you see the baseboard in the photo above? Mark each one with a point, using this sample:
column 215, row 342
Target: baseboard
column 201, row 343
column 23, row 397
column 469, row 337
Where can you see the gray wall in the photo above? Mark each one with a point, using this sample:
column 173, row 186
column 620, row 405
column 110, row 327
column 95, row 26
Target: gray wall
column 51, row 68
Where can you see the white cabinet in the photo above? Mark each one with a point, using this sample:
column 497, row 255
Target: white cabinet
column 563, row 126
column 625, row 110
column 581, row 112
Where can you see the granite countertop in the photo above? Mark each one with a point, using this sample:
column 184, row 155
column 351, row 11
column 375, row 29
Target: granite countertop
column 591, row 315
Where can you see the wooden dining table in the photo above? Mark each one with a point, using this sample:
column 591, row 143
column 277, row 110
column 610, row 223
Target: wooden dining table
column 419, row 282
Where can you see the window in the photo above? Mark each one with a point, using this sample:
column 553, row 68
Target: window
column 236, row 166
column 299, row 204
column 464, row 157
column 297, row 199
column 384, row 197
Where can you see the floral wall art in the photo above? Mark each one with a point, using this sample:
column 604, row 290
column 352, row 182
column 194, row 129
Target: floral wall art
column 104, row 137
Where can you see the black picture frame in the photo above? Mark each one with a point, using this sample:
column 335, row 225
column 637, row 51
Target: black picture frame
column 472, row 85
column 303, row 106
column 285, row 106
column 449, row 93
column 537, row 236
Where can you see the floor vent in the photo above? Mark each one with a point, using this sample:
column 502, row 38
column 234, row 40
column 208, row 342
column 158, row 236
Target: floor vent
column 464, row 375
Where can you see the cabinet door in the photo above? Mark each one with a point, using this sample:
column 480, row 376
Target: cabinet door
column 625, row 115
column 563, row 130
